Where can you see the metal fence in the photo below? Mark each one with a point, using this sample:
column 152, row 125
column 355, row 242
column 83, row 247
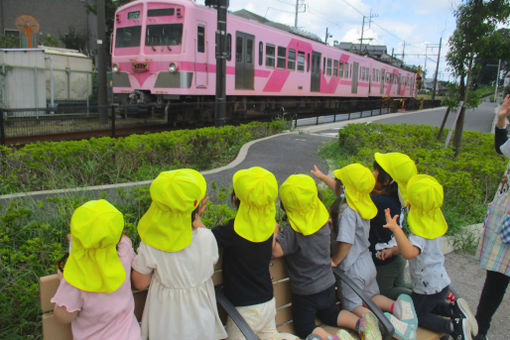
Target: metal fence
column 77, row 121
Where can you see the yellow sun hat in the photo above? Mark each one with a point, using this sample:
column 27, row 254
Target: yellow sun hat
column 257, row 190
column 425, row 217
column 305, row 211
column 358, row 182
column 167, row 223
column 400, row 167
column 93, row 264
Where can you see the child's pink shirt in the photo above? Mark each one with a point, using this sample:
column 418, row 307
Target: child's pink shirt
column 103, row 315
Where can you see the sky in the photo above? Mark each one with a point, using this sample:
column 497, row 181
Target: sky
column 416, row 24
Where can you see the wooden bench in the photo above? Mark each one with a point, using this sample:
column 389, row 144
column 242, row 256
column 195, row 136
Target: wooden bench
column 54, row 330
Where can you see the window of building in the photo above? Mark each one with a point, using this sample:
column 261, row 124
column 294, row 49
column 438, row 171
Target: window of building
column 301, row 61
column 270, row 50
column 282, row 54
column 291, row 60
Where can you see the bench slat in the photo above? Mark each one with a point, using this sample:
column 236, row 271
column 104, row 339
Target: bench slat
column 54, row 330
column 47, row 288
column 282, row 293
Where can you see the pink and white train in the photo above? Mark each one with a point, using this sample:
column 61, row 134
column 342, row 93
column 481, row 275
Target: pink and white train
column 164, row 51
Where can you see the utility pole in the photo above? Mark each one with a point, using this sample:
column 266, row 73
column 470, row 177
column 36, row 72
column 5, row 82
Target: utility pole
column 220, row 112
column 437, row 70
column 403, row 52
column 300, row 8
column 363, row 28
column 101, row 62
column 497, row 83
column 327, row 36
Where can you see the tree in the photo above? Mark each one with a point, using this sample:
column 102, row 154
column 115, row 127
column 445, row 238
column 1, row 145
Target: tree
column 475, row 35
column 486, row 64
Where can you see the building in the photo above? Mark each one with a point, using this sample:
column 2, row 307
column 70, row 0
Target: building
column 55, row 17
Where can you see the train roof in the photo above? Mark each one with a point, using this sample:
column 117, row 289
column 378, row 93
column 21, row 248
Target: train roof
column 245, row 14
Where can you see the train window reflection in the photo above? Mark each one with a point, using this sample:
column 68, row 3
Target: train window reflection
column 282, row 55
column 291, row 61
column 301, row 61
column 163, row 35
column 128, row 36
column 270, row 50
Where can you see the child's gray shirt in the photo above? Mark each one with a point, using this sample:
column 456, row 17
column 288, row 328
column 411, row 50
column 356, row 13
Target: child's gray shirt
column 428, row 274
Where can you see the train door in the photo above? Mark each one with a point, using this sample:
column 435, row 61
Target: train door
column 383, row 74
column 355, row 67
column 201, row 68
column 315, row 83
column 244, row 61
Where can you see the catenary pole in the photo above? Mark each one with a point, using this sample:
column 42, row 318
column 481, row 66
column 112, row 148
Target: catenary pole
column 101, row 61
column 437, row 70
column 221, row 64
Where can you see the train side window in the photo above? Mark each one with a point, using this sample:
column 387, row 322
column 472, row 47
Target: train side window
column 229, row 46
column 282, row 55
column 270, row 50
column 329, row 66
column 350, row 70
column 335, row 68
column 301, row 61
column 200, row 39
column 261, row 52
column 239, row 50
column 346, row 72
column 308, row 62
column 324, row 65
column 341, row 70
column 291, row 60
column 249, row 51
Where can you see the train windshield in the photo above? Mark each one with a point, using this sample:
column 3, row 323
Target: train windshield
column 128, row 36
column 163, row 35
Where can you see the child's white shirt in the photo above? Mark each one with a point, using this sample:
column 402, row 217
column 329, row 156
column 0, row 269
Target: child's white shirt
column 428, row 274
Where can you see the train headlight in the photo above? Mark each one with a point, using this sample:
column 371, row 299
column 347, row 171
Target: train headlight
column 115, row 68
column 172, row 68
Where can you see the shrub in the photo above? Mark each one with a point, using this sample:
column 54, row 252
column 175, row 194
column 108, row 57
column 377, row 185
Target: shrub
column 96, row 161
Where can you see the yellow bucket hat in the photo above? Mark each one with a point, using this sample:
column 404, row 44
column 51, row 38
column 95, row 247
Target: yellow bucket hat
column 93, row 264
column 399, row 166
column 257, row 190
column 359, row 183
column 305, row 211
column 425, row 198
column 167, row 223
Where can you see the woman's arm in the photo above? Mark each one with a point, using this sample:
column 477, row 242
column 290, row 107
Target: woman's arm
column 341, row 253
column 140, row 281
column 406, row 248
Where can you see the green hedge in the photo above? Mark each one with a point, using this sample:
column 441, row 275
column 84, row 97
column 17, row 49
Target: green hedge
column 469, row 181
column 52, row 165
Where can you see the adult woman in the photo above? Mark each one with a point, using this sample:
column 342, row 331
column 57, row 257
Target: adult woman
column 494, row 254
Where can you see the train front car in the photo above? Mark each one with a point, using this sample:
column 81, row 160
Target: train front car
column 150, row 61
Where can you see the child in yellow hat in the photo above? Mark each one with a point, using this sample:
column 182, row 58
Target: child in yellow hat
column 94, row 294
column 304, row 245
column 430, row 280
column 352, row 256
column 247, row 242
column 392, row 171
column 176, row 261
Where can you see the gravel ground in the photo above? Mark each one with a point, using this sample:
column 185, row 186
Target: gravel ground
column 467, row 280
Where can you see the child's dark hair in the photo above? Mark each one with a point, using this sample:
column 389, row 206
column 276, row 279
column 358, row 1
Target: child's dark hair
column 235, row 201
column 389, row 185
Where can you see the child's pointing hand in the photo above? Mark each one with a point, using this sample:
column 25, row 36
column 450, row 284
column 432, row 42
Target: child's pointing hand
column 391, row 223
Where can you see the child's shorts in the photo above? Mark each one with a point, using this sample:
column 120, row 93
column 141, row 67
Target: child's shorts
column 306, row 307
column 261, row 319
column 364, row 274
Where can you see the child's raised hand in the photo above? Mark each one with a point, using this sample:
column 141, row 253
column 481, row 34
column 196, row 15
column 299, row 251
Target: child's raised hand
column 391, row 223
column 203, row 205
column 317, row 172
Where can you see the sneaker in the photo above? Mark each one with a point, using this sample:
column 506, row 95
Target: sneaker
column 461, row 329
column 461, row 310
column 403, row 309
column 342, row 334
column 369, row 327
column 403, row 330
